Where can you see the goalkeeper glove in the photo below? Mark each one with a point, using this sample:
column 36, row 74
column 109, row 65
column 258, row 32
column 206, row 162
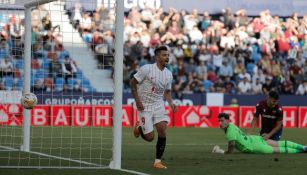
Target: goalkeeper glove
column 217, row 149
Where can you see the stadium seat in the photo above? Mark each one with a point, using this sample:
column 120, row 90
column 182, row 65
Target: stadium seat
column 79, row 74
column 40, row 74
column 59, row 82
column 8, row 82
column 19, row 64
column 46, row 63
column 70, row 83
column 19, row 84
column 63, row 54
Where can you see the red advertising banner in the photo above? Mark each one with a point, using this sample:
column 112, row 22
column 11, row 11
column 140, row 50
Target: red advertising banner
column 4, row 116
column 81, row 115
column 11, row 114
column 15, row 112
column 102, row 116
column 202, row 116
column 246, row 114
column 40, row 116
column 290, row 116
column 60, row 115
column 302, row 117
column 127, row 116
column 192, row 116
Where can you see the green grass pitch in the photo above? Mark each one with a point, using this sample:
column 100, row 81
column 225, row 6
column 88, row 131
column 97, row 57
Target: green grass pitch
column 188, row 151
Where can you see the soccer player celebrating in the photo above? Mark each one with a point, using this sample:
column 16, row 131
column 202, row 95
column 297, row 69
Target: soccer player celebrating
column 149, row 86
column 251, row 143
column 272, row 117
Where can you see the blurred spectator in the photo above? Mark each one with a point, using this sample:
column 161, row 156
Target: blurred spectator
column 225, row 69
column 16, row 29
column 205, row 22
column 287, row 86
column 55, row 68
column 86, row 23
column 2, row 86
column 257, row 87
column 230, row 86
column 6, row 67
column 68, row 68
column 296, row 73
column 76, row 14
column 244, row 86
column 4, row 48
column 201, row 70
column 219, row 86
column 267, row 86
column 302, row 88
column 77, row 87
column 234, row 102
column 38, row 86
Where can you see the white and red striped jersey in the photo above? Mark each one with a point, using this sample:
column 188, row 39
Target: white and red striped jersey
column 152, row 82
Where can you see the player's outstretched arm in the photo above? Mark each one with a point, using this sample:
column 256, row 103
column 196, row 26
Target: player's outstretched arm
column 231, row 147
column 253, row 125
column 266, row 136
column 255, row 119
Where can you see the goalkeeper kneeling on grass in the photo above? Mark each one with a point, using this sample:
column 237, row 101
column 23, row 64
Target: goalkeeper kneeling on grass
column 253, row 143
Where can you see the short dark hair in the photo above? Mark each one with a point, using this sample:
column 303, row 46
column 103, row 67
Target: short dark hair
column 223, row 115
column 273, row 94
column 160, row 48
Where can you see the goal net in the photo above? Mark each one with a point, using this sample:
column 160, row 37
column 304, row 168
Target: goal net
column 62, row 51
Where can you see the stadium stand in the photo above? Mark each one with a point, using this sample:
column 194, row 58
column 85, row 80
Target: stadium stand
column 52, row 67
column 229, row 52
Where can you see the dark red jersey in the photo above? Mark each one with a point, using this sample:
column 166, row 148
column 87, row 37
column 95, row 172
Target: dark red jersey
column 269, row 115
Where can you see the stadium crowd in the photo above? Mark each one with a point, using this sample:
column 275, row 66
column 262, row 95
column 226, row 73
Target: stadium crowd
column 52, row 67
column 228, row 52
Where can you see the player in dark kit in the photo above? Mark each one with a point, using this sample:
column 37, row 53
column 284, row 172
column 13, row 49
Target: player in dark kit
column 272, row 117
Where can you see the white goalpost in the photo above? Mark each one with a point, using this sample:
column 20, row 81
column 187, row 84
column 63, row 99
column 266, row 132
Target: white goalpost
column 78, row 122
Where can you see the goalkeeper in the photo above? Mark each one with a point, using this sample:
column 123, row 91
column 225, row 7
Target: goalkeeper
column 252, row 143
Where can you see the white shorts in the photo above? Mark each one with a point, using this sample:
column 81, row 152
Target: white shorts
column 149, row 118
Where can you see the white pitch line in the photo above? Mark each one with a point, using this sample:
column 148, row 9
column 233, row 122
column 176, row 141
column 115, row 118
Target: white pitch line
column 53, row 167
column 9, row 148
column 97, row 166
column 133, row 172
column 63, row 158
column 51, row 156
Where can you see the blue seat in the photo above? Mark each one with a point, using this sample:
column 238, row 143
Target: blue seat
column 70, row 83
column 8, row 82
column 63, row 54
column 20, row 83
column 85, row 81
column 79, row 74
column 40, row 73
column 46, row 63
column 59, row 82
column 19, row 64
